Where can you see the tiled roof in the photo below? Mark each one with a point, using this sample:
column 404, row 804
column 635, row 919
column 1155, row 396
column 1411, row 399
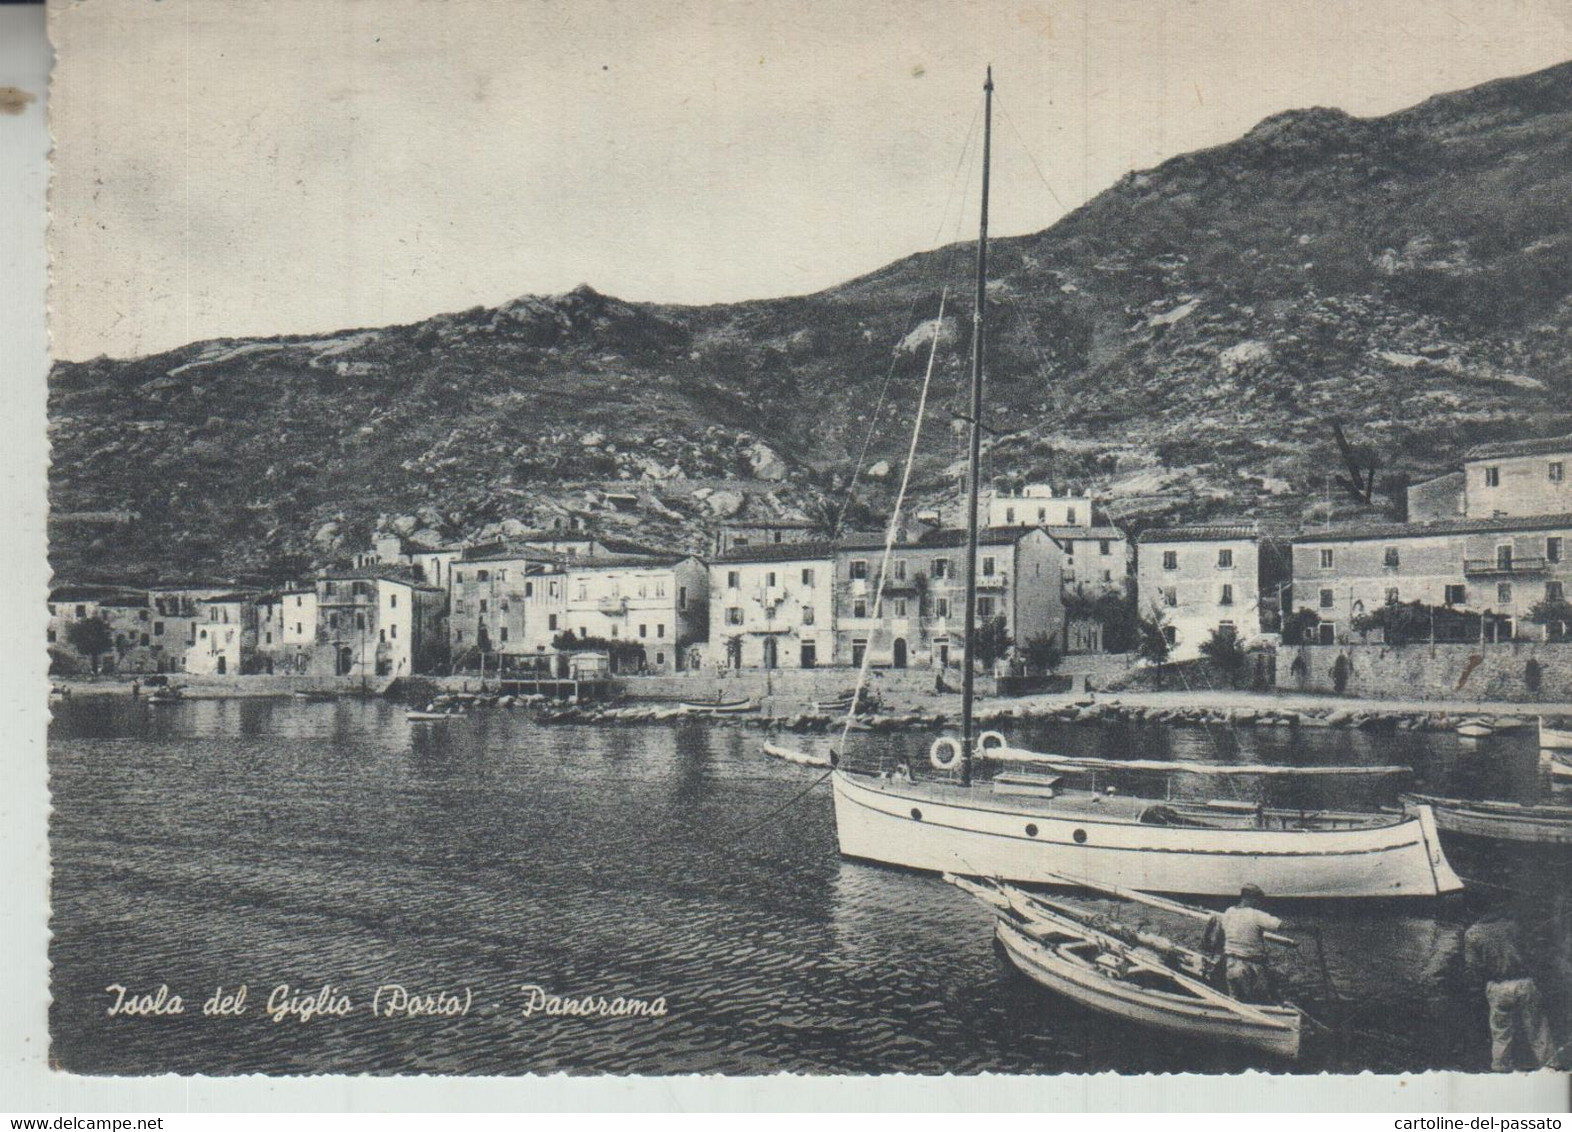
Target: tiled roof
column 1360, row 532
column 780, row 552
column 69, row 593
column 375, row 572
column 1211, row 532
column 626, row 561
column 1533, row 447
column 941, row 539
column 783, row 524
column 1063, row 533
column 237, row 596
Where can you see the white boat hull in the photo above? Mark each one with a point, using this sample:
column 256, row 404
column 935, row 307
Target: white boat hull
column 1554, row 738
column 974, row 833
column 1172, row 1013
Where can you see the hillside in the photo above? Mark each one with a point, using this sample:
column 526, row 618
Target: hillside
column 1178, row 344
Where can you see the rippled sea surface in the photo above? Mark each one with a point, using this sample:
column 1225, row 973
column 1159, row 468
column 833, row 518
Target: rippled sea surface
column 280, row 843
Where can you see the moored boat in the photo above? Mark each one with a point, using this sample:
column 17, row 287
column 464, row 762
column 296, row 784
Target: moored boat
column 718, row 707
column 1475, row 729
column 428, row 716
column 1560, row 768
column 792, row 755
column 1138, row 977
column 1498, row 821
column 314, row 697
column 1554, row 738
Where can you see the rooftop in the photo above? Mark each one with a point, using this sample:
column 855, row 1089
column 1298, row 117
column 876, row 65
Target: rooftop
column 1534, row 447
column 1355, row 532
column 783, row 524
column 1209, row 532
column 378, row 572
column 1101, row 532
column 781, row 552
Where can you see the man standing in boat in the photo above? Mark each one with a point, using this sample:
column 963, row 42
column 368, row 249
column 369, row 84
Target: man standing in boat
column 1241, row 934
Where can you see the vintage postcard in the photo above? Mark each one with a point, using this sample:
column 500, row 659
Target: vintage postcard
column 835, row 539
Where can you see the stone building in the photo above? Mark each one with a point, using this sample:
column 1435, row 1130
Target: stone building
column 1220, row 577
column 773, row 606
column 377, row 621
column 507, row 607
column 660, row 606
column 1500, row 480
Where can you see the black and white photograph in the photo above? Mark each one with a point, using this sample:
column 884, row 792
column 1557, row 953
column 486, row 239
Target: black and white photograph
column 1026, row 537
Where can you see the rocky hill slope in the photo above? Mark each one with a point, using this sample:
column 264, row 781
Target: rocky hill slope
column 1179, row 345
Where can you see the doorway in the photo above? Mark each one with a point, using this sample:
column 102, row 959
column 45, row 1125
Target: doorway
column 810, row 654
column 898, row 658
column 770, row 653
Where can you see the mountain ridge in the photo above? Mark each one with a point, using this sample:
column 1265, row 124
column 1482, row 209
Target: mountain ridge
column 1177, row 344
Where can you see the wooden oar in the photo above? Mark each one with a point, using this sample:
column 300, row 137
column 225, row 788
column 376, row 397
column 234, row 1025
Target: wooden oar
column 1158, row 902
column 1194, row 986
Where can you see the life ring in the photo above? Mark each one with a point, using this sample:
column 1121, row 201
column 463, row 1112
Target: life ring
column 991, row 740
column 941, row 744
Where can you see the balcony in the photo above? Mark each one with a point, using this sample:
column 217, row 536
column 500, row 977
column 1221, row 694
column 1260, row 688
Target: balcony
column 1503, row 568
column 611, row 606
column 991, row 581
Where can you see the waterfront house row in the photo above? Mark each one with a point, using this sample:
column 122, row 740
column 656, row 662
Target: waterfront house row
column 814, row 604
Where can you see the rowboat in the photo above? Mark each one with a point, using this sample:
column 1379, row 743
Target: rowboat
column 426, row 716
column 1498, row 821
column 315, row 697
column 718, row 707
column 1474, row 729
column 1554, row 738
column 1560, row 768
column 1135, row 976
column 166, row 697
column 801, row 758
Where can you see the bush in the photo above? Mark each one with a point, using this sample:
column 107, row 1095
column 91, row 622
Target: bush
column 1152, row 643
column 1299, row 627
column 1224, row 650
column 1041, row 654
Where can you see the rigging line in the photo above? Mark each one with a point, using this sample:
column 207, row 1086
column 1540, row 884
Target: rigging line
column 895, row 515
column 945, row 269
column 1029, row 156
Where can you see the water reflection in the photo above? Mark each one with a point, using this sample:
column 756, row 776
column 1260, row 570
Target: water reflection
column 267, row 841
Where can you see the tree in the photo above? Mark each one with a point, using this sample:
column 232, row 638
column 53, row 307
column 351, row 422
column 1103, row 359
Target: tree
column 991, row 642
column 91, row 638
column 1041, row 654
column 1556, row 616
column 1152, row 643
column 1299, row 625
column 1223, row 649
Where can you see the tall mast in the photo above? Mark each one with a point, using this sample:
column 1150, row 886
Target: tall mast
column 974, row 455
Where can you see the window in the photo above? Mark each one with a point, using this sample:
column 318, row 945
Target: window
column 1326, row 559
column 484, row 604
column 900, row 607
column 1042, row 514
column 1170, row 635
column 1227, row 596
column 332, row 622
column 859, row 568
column 1558, row 472
column 682, row 599
column 1391, row 595
column 299, row 630
column 807, row 615
column 941, row 567
column 382, row 634
column 1504, row 593
column 551, row 622
column 203, row 634
column 529, row 589
column 458, row 575
column 504, row 634
column 483, row 575
column 392, row 601
column 51, row 633
column 1504, row 556
column 740, row 540
column 584, row 629
column 769, row 580
column 860, row 607
column 1555, row 591
column 1389, row 558
column 1170, row 560
column 458, row 635
column 1069, row 516
column 583, row 592
column 988, row 566
column 734, row 615
column 660, row 630
column 660, row 588
column 360, row 620
column 644, row 630
column 1104, row 546
column 1326, row 599
column 1455, row 595
column 776, row 536
column 984, row 608
column 1225, row 559
column 1492, row 477
column 268, row 641
column 1171, row 596
column 900, row 569
column 158, row 628
column 733, row 579
column 1553, row 548
column 141, row 615
column 393, row 632
column 1009, row 516
column 941, row 607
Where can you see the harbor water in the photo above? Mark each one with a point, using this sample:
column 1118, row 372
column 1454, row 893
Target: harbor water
column 508, row 867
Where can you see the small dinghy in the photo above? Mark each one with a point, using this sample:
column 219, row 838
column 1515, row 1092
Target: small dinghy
column 316, row 697
column 1554, row 738
column 1474, row 729
column 801, row 758
column 430, row 714
column 718, row 707
column 1560, row 769
column 1136, row 976
column 169, row 696
column 1497, row 821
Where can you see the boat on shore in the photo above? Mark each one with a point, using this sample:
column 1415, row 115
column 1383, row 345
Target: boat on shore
column 718, row 707
column 1475, row 729
column 791, row 755
column 1554, row 738
column 1135, row 976
column 1497, row 821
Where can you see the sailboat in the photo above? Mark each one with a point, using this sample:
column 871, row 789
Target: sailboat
column 1039, row 833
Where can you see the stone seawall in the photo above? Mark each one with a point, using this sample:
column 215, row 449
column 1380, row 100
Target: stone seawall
column 786, row 685
column 1516, row 672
